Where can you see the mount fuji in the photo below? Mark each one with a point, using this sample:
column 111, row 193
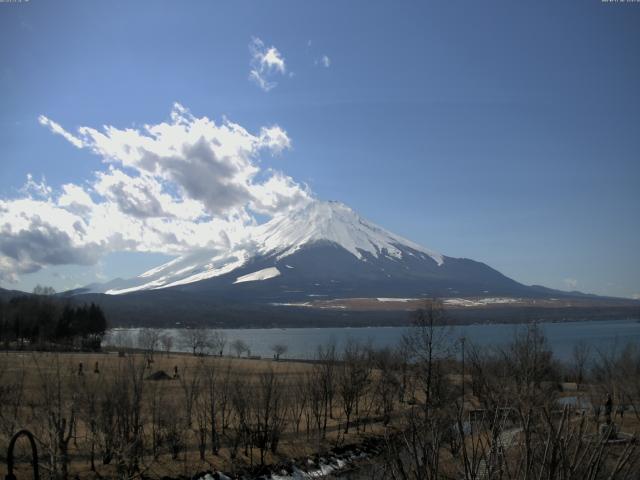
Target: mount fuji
column 321, row 263
column 322, row 249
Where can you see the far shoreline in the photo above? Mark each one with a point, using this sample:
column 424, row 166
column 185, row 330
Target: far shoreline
column 453, row 323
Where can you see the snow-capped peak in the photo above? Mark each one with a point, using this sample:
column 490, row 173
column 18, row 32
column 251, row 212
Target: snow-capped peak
column 334, row 222
column 281, row 236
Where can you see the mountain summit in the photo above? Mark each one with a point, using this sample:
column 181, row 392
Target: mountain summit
column 324, row 249
column 336, row 223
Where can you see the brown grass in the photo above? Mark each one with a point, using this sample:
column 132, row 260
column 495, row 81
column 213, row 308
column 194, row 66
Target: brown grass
column 38, row 366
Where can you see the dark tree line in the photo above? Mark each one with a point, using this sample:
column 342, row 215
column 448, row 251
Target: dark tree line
column 42, row 320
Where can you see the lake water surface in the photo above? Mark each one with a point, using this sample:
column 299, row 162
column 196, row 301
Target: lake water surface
column 302, row 343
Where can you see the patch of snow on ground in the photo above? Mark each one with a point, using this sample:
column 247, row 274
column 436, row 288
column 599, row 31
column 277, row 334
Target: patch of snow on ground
column 389, row 299
column 304, row 304
column 264, row 274
column 478, row 302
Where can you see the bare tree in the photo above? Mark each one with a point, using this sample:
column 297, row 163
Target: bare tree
column 278, row 350
column 224, row 396
column 616, row 371
column 123, row 339
column 239, row 346
column 241, row 433
column 190, row 384
column 317, row 405
column 218, row 342
column 148, row 341
column 198, row 340
column 212, row 400
column 326, row 365
column 414, row 452
column 12, row 390
column 353, row 378
column 121, row 417
column 561, row 449
column 267, row 413
column 202, row 423
column 428, row 343
column 156, row 405
column 167, row 343
column 59, row 409
column 44, row 291
column 297, row 401
column 89, row 398
column 386, row 383
column 174, row 428
column 580, row 358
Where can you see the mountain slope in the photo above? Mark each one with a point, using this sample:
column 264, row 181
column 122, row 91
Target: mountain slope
column 324, row 265
column 6, row 295
column 323, row 250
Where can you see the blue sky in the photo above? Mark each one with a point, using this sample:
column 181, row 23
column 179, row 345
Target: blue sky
column 507, row 132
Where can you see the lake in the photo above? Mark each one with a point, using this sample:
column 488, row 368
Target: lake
column 303, row 342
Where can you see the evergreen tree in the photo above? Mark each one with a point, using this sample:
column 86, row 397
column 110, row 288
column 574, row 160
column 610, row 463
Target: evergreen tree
column 43, row 318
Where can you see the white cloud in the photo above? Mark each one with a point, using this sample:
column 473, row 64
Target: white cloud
column 137, row 196
column 323, row 61
column 207, row 162
column 272, row 60
column 636, row 296
column 571, row 283
column 259, row 80
column 31, row 188
column 143, row 196
column 275, row 139
column 56, row 128
column 36, row 232
column 279, row 193
column 266, row 62
column 75, row 199
column 171, row 187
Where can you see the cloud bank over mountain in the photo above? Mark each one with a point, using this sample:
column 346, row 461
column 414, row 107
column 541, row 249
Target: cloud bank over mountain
column 172, row 187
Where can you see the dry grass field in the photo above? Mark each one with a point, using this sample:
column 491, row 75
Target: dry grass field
column 174, row 413
column 149, row 414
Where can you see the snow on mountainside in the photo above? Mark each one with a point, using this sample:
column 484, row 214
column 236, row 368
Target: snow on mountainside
column 282, row 236
column 179, row 271
column 333, row 222
column 264, row 274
